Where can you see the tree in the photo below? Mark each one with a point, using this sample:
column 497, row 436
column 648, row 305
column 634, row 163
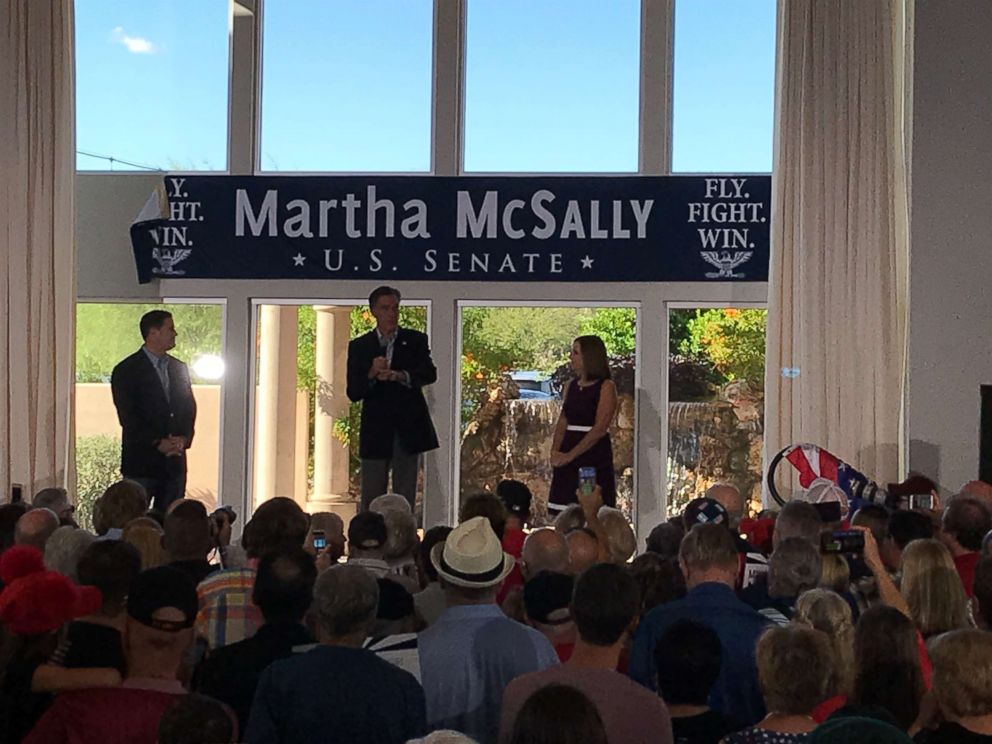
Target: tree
column 617, row 326
column 733, row 341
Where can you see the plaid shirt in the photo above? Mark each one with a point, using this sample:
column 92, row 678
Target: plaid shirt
column 227, row 614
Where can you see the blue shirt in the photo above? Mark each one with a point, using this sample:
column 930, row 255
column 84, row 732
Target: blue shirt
column 161, row 365
column 467, row 658
column 736, row 692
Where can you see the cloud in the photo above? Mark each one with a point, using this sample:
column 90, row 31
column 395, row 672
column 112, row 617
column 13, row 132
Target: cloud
column 134, row 44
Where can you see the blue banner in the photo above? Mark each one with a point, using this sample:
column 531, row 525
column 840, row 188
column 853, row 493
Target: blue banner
column 506, row 228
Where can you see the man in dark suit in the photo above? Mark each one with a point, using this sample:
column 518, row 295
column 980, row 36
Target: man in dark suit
column 155, row 405
column 387, row 367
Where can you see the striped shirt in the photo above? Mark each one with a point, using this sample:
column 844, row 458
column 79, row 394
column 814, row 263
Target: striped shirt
column 227, row 614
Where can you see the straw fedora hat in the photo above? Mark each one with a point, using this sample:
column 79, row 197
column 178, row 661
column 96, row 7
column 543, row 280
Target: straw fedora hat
column 472, row 556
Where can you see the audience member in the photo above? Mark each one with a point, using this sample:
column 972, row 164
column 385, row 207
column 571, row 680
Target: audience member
column 835, row 575
column 828, row 612
column 444, row 736
column 368, row 535
column 429, row 601
column 227, row 614
column 665, row 539
column 161, row 610
column 517, row 498
column 282, row 592
column 752, row 564
column 401, row 535
column 188, row 539
column 980, row 491
column 543, row 550
column 334, row 534
column 730, row 499
column 932, row 589
column 794, row 671
column 981, row 599
column 793, row 568
column 558, row 714
column 966, row 521
column 119, row 504
column 876, row 518
column 620, row 538
column 904, row 527
column 146, row 535
column 570, row 519
column 688, row 658
column 9, row 516
column 797, row 519
column 583, row 550
column 887, row 664
column 34, row 605
column 962, row 683
column 35, row 527
column 56, row 499
column 547, row 598
column 64, row 549
column 338, row 688
column 473, row 650
column 484, row 504
column 95, row 640
column 659, row 580
column 197, row 719
column 605, row 606
column 393, row 636
column 708, row 558
column 859, row 730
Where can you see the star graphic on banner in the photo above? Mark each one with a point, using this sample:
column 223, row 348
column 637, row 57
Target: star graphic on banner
column 298, row 259
column 587, row 262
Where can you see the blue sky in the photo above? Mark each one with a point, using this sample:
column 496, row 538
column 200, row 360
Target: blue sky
column 551, row 85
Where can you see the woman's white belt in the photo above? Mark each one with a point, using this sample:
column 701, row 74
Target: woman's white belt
column 578, row 428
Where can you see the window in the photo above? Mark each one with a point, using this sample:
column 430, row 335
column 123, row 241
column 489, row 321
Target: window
column 151, row 85
column 552, row 86
column 724, row 80
column 346, row 86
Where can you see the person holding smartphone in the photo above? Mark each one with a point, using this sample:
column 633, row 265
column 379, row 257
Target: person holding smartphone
column 582, row 435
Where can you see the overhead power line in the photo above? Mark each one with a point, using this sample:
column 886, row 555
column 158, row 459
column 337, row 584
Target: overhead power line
column 111, row 159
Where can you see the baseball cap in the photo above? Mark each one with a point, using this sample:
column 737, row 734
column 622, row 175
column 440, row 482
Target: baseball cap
column 547, row 597
column 704, row 511
column 159, row 589
column 367, row 530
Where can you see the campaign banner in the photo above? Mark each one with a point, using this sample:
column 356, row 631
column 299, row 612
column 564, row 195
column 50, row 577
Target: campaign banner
column 469, row 228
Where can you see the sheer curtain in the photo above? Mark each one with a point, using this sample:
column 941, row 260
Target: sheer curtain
column 837, row 299
column 37, row 253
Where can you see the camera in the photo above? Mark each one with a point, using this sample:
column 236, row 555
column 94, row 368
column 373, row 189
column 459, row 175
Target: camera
column 842, row 541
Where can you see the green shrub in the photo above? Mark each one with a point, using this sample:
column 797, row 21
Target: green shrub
column 98, row 465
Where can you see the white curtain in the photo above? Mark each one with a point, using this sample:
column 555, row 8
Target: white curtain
column 837, row 300
column 37, row 255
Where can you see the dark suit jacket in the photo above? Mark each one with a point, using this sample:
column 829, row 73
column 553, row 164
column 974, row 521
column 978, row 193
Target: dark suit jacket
column 231, row 673
column 392, row 408
column 147, row 416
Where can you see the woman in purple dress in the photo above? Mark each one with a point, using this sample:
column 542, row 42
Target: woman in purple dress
column 582, row 434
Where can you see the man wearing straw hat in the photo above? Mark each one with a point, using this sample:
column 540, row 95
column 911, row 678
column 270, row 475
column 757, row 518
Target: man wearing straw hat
column 471, row 653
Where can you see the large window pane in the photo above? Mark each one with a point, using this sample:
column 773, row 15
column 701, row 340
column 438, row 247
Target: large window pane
column 514, row 367
column 346, row 85
column 106, row 333
column 716, row 415
column 151, row 84
column 724, row 86
column 552, row 86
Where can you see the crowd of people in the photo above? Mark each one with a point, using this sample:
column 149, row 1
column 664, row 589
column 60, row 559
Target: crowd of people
column 161, row 628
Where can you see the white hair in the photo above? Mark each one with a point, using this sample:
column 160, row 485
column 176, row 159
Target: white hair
column 64, row 549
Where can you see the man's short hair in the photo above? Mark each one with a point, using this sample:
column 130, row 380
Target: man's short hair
column 688, row 657
column 196, row 718
column 793, row 567
column 35, row 527
column 187, row 531
column 382, row 292
column 665, row 539
column 906, row 526
column 284, row 584
column 876, row 518
column 64, row 549
column 967, row 520
column 708, row 546
column 110, row 566
column 152, row 319
column 345, row 600
column 119, row 504
column 278, row 523
column 605, row 602
column 55, row 499
column 794, row 665
column 962, row 673
column 484, row 504
column 436, row 534
column 798, row 519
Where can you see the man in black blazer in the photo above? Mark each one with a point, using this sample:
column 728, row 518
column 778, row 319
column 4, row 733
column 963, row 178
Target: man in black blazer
column 155, row 405
column 387, row 367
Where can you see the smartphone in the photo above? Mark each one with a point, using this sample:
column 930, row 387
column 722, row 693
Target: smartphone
column 16, row 493
column 921, row 501
column 587, row 480
column 842, row 541
column 319, row 541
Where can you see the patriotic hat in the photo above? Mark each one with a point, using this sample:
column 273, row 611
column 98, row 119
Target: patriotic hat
column 704, row 511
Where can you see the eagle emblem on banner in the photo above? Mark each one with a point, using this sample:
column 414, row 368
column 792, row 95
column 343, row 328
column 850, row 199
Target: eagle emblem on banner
column 725, row 262
column 167, row 260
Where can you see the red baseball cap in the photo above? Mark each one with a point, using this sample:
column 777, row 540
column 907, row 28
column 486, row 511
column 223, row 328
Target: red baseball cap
column 35, row 600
